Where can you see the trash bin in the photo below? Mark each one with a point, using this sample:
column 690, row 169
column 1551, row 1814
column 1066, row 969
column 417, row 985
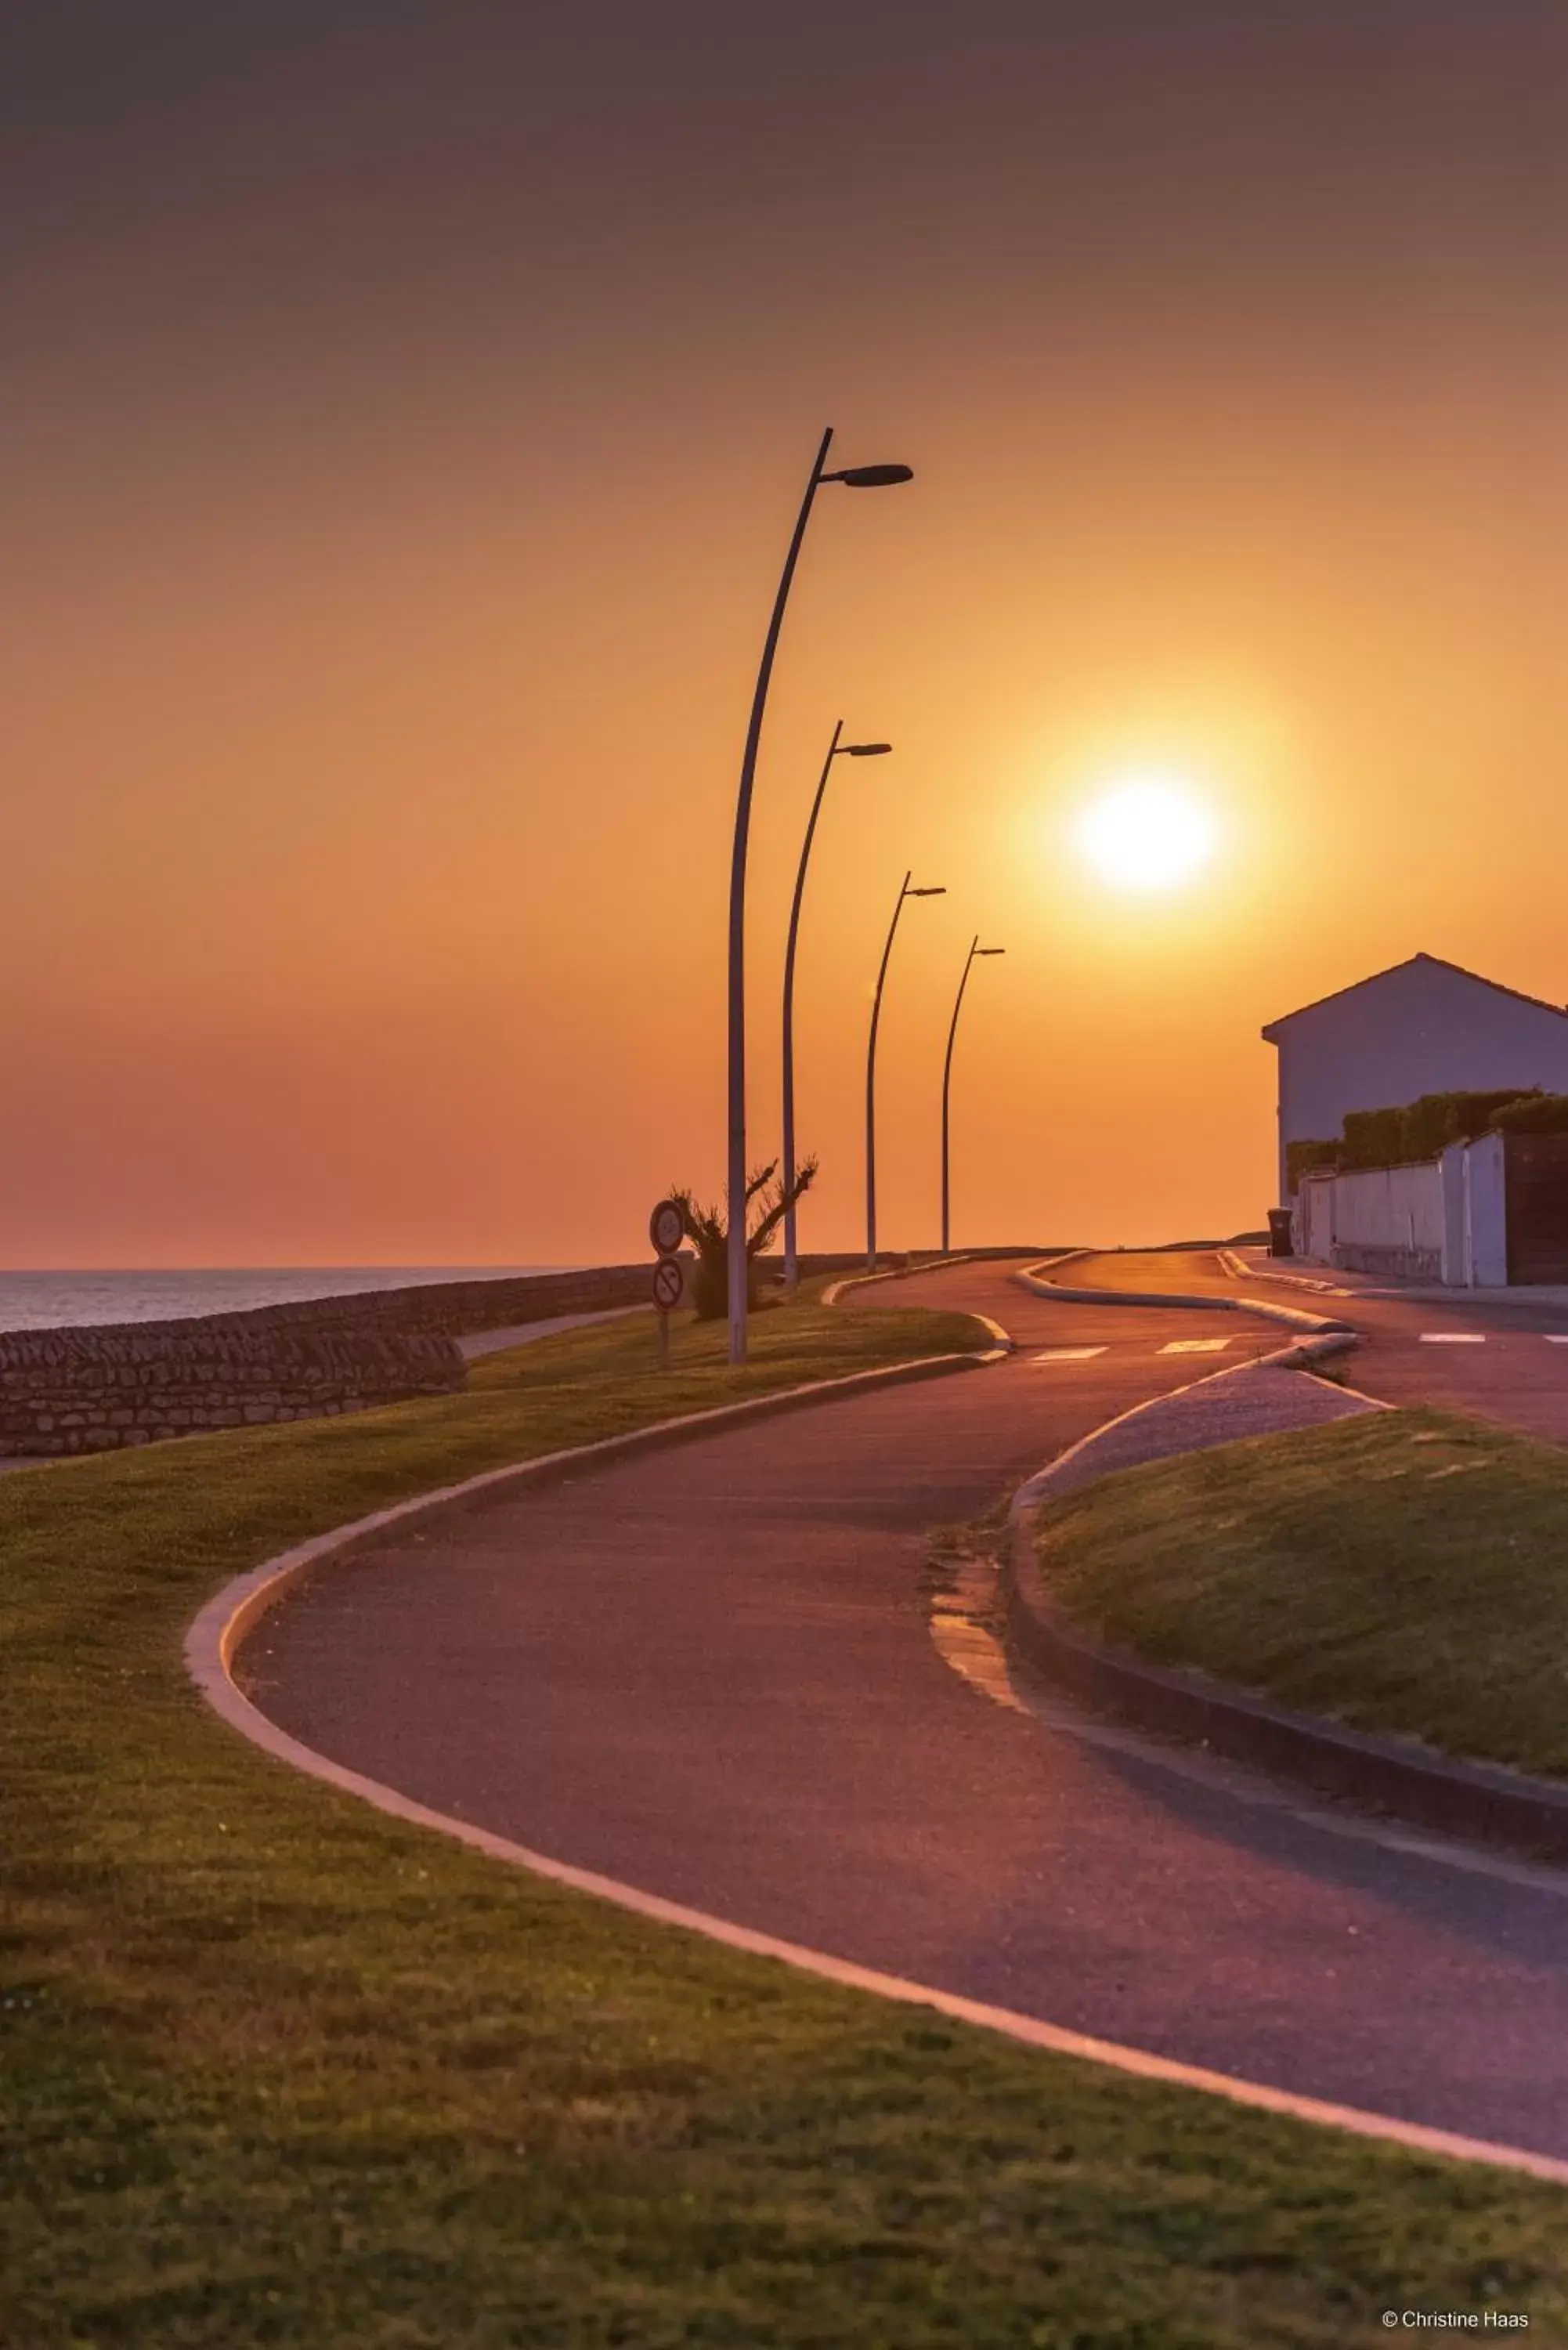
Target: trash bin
column 1280, row 1243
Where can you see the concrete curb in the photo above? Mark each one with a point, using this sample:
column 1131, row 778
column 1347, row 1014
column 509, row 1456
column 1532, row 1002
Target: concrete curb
column 1029, row 1278
column 223, row 1623
column 1324, row 1288
column 1314, row 1348
column 1475, row 1801
column 836, row 1289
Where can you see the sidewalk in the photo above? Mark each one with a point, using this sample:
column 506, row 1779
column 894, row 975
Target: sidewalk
column 1302, row 1271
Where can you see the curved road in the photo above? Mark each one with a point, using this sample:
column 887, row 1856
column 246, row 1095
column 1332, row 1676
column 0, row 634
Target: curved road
column 709, row 1673
column 1504, row 1357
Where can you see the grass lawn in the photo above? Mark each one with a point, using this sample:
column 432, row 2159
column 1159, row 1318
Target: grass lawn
column 277, row 2069
column 1404, row 1572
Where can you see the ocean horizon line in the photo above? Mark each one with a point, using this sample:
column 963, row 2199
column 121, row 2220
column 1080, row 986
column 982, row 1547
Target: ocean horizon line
column 65, row 1298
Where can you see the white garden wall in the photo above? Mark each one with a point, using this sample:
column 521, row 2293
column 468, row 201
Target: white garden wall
column 1441, row 1221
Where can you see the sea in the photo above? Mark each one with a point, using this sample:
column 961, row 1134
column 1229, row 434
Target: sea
column 56, row 1301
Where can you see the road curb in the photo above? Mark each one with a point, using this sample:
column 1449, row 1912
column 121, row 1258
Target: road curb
column 1295, row 1316
column 836, row 1289
column 1476, row 1801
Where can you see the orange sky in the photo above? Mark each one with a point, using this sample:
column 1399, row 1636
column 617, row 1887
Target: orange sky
column 408, row 410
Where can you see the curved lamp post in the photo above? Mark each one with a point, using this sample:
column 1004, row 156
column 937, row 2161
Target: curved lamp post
column 976, row 949
column 854, row 477
column 871, row 1073
column 835, row 750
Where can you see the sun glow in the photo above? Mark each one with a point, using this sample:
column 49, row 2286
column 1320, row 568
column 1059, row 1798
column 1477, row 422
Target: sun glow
column 1150, row 832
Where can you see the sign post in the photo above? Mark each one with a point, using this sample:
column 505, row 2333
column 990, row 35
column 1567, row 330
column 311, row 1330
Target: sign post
column 667, row 1229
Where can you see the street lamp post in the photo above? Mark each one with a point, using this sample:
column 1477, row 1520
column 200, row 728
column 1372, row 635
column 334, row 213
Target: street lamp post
column 835, row 750
column 975, row 949
column 854, row 477
column 871, row 1073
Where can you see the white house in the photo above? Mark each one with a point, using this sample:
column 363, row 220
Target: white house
column 1426, row 1027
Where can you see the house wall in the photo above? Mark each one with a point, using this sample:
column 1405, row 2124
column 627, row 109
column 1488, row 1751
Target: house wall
column 1419, row 1029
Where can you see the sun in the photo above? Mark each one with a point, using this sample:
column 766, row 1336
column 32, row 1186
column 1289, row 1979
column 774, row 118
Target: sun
column 1150, row 832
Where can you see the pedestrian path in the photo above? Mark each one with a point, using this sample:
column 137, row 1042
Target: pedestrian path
column 479, row 1343
column 1480, row 1337
column 708, row 1672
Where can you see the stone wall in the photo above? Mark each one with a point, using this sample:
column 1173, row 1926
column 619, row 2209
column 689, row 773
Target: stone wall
column 454, row 1308
column 92, row 1390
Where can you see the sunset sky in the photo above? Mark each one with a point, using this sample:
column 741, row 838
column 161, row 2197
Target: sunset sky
column 407, row 409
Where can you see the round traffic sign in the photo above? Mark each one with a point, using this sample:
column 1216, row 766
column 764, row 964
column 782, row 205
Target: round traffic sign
column 667, row 1227
column 668, row 1281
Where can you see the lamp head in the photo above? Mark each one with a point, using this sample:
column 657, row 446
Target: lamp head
column 865, row 750
column 979, row 950
column 871, row 477
column 926, row 893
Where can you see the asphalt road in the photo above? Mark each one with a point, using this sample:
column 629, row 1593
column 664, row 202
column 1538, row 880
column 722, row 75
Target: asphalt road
column 710, row 1672
column 1467, row 1353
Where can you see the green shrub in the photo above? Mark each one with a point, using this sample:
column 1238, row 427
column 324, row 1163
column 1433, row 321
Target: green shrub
column 1373, row 1138
column 1421, row 1128
column 1302, row 1157
column 1534, row 1113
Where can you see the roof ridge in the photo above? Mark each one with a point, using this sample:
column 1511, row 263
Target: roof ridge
column 1438, row 963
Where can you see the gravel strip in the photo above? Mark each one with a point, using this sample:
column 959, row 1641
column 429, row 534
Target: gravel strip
column 1259, row 1400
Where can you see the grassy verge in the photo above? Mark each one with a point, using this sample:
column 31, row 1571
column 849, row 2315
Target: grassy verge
column 1401, row 1573
column 280, row 2070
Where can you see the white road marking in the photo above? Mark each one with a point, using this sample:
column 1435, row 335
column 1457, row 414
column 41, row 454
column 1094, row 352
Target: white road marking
column 1555, row 1337
column 1195, row 1346
column 1067, row 1354
column 1453, row 1338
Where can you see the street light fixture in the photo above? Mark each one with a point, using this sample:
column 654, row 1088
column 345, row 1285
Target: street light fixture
column 854, row 477
column 871, row 477
column 871, row 1073
column 835, row 750
column 976, row 951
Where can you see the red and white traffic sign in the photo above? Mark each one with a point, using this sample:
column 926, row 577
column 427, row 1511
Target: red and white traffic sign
column 667, row 1227
column 669, row 1280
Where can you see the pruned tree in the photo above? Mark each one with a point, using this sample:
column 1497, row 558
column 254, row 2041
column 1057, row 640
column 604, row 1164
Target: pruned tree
column 708, row 1230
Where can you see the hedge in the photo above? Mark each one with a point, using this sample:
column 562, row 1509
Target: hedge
column 1421, row 1128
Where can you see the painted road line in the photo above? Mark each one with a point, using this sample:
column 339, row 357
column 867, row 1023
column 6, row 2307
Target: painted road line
column 1067, row 1354
column 1453, row 1338
column 1195, row 1346
column 1555, row 1337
